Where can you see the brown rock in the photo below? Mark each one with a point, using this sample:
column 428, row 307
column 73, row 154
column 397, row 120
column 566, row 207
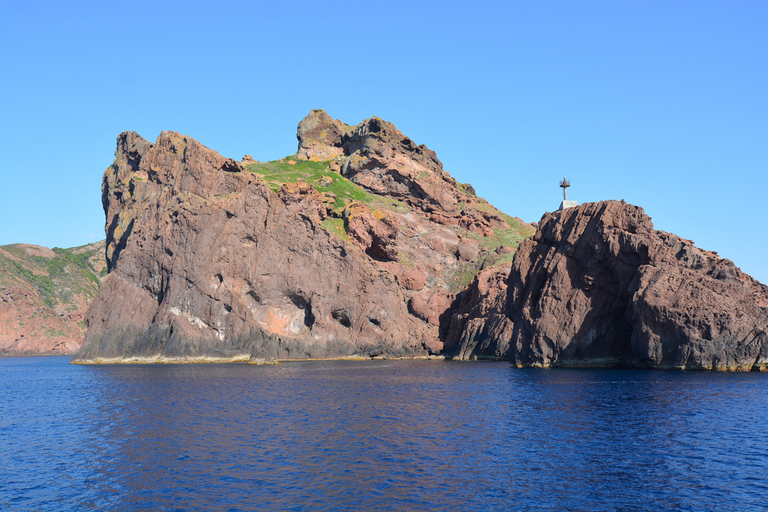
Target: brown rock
column 411, row 279
column 319, row 136
column 467, row 250
column 478, row 222
column 207, row 263
column 302, row 199
column 375, row 232
column 445, row 220
column 211, row 265
column 598, row 285
column 444, row 240
column 430, row 306
column 482, row 307
column 381, row 159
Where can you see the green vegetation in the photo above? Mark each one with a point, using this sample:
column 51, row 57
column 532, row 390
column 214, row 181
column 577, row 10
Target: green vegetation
column 336, row 226
column 508, row 237
column 41, row 282
column 55, row 333
column 290, row 170
column 325, row 180
column 488, row 257
column 406, row 261
column 59, row 279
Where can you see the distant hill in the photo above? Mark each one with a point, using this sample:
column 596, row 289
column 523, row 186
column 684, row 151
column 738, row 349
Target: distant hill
column 44, row 294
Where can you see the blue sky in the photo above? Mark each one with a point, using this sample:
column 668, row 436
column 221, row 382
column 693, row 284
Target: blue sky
column 663, row 104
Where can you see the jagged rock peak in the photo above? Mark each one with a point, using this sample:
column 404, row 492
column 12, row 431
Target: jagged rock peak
column 319, row 136
column 598, row 285
column 378, row 157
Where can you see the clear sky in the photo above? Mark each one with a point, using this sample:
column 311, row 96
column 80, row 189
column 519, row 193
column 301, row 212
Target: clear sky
column 661, row 103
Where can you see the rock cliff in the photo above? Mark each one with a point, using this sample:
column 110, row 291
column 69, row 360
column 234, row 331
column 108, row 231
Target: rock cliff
column 354, row 247
column 361, row 245
column 44, row 295
column 597, row 285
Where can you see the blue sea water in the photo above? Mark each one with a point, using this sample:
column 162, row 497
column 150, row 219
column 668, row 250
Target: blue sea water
column 379, row 435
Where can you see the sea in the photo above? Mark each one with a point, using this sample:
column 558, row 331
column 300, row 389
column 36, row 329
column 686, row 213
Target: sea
column 379, row 435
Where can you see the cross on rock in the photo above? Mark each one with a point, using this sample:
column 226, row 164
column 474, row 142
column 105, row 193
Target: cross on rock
column 566, row 203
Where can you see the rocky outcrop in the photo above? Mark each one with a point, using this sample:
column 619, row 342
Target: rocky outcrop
column 378, row 157
column 208, row 264
column 375, row 232
column 44, row 295
column 361, row 245
column 597, row 285
column 319, row 136
column 302, row 198
column 216, row 260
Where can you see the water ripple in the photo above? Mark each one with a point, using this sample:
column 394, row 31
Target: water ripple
column 407, row 435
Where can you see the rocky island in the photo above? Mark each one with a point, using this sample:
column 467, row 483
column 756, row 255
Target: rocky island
column 361, row 246
column 354, row 247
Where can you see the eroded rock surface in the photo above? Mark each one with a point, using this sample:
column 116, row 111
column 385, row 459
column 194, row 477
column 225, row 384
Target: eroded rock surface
column 361, row 245
column 207, row 263
column 597, row 285
column 377, row 156
column 211, row 259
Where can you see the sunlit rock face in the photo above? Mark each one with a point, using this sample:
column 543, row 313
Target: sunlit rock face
column 597, row 285
column 355, row 247
column 207, row 263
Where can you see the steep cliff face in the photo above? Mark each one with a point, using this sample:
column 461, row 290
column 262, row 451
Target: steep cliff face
column 361, row 245
column 320, row 255
column 598, row 285
column 44, row 295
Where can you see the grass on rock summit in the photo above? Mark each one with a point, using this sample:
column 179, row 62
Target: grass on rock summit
column 324, row 178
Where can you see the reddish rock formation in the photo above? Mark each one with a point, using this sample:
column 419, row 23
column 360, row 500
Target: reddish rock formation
column 207, row 263
column 411, row 279
column 213, row 259
column 302, row 198
column 373, row 232
column 44, row 295
column 430, row 306
column 319, row 136
column 380, row 158
column 598, row 285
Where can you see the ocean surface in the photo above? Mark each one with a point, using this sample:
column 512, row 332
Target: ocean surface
column 379, row 435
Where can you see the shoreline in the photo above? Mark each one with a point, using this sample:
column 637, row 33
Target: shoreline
column 248, row 360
